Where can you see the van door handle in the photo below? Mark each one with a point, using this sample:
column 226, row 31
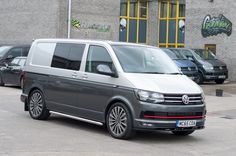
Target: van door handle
column 74, row 75
column 84, row 77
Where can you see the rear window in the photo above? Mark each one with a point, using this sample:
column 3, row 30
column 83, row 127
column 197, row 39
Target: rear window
column 68, row 56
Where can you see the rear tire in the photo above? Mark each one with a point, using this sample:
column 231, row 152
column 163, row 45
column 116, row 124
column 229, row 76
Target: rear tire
column 220, row 81
column 1, row 81
column 119, row 121
column 182, row 133
column 37, row 106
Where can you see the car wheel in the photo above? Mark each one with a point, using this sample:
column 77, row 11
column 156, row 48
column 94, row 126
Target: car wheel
column 199, row 79
column 37, row 107
column 220, row 81
column 182, row 133
column 119, row 121
column 1, row 81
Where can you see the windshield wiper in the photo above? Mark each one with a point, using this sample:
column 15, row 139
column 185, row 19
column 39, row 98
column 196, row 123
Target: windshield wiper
column 174, row 73
column 152, row 72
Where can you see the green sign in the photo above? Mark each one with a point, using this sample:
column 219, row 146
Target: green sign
column 212, row 26
column 82, row 25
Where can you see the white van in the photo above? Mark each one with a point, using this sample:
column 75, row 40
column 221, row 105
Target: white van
column 124, row 86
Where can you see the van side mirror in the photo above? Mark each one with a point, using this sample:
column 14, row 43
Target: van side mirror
column 190, row 58
column 106, row 70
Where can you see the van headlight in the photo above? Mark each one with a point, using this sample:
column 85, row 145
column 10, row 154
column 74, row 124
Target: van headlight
column 148, row 96
column 208, row 67
column 203, row 97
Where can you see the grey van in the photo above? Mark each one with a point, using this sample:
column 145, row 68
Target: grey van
column 124, row 86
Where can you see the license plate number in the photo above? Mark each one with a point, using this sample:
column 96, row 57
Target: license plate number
column 221, row 77
column 186, row 123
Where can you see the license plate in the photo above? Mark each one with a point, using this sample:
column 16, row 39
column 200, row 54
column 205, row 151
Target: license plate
column 186, row 123
column 221, row 76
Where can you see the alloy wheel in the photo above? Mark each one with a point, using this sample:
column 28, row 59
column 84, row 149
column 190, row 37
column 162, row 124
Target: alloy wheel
column 36, row 104
column 118, row 121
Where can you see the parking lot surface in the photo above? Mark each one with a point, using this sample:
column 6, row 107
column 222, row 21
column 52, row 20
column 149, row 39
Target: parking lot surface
column 22, row 136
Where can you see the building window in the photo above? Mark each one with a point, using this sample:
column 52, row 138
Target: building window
column 171, row 21
column 133, row 21
column 211, row 47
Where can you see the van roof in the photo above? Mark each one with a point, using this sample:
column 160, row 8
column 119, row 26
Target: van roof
column 89, row 41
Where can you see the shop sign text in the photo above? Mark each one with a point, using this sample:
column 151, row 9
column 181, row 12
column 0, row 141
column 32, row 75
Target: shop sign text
column 82, row 25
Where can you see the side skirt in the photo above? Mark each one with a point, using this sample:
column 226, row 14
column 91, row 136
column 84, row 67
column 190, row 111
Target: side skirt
column 78, row 118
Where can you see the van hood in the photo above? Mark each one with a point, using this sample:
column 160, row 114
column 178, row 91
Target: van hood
column 164, row 83
column 213, row 62
column 184, row 63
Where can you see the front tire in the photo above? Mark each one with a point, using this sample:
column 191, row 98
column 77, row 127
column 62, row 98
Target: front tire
column 220, row 81
column 119, row 121
column 37, row 106
column 182, row 133
column 199, row 79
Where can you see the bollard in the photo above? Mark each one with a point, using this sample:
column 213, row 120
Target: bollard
column 219, row 92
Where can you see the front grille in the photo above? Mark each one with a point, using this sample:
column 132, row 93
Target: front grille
column 176, row 99
column 220, row 68
column 172, row 115
column 188, row 68
column 175, row 114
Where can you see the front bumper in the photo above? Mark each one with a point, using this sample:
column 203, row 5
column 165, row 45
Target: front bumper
column 191, row 74
column 215, row 75
column 165, row 117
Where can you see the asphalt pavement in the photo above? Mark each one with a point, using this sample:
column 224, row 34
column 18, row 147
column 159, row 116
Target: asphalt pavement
column 59, row 136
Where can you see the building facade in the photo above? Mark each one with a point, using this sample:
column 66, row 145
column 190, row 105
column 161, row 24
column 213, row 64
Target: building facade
column 164, row 23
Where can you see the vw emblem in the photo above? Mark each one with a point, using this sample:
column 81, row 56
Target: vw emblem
column 185, row 99
column 221, row 68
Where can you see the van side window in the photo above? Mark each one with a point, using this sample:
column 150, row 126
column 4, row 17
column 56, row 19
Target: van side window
column 15, row 52
column 68, row 56
column 97, row 55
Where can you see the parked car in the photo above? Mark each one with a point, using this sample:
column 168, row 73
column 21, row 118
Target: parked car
column 8, row 53
column 209, row 67
column 12, row 73
column 186, row 66
column 121, row 85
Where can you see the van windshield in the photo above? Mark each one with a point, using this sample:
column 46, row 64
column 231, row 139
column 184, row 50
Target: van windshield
column 205, row 54
column 141, row 59
column 175, row 55
column 3, row 50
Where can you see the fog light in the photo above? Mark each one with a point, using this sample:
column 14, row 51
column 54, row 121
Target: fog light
column 147, row 124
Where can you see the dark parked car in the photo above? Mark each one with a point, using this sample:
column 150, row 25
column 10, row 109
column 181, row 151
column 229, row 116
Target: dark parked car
column 187, row 67
column 12, row 73
column 209, row 67
column 8, row 53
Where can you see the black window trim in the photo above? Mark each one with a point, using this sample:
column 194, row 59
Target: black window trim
column 98, row 45
column 81, row 63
